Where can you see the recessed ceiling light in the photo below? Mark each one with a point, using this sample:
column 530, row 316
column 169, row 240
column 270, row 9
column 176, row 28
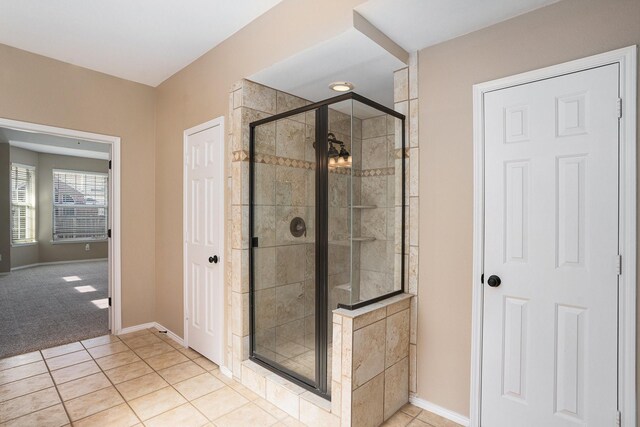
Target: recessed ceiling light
column 341, row 86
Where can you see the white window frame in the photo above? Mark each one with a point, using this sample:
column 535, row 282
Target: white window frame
column 31, row 219
column 54, row 205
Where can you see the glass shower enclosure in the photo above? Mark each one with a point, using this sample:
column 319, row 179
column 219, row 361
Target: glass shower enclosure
column 327, row 227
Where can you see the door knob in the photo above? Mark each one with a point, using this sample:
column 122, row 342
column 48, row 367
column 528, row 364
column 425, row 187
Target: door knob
column 494, row 281
column 213, row 259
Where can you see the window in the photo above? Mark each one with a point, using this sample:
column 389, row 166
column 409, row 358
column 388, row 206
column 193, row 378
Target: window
column 23, row 204
column 79, row 205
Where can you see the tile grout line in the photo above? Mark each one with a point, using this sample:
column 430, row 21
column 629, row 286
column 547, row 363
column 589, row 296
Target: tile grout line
column 127, row 364
column 88, row 375
column 49, row 372
column 190, row 402
column 24, row 378
column 153, row 371
column 56, row 385
column 94, row 360
column 112, row 383
column 172, row 386
column 56, row 388
column 103, row 371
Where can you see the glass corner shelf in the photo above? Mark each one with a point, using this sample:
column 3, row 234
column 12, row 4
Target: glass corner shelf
column 363, row 239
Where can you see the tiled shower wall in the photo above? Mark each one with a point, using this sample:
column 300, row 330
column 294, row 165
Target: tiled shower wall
column 377, row 217
column 343, row 187
column 406, row 102
column 284, row 279
column 285, row 265
column 285, row 188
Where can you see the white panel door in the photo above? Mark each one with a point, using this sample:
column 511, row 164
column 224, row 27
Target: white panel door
column 551, row 235
column 111, row 279
column 204, row 220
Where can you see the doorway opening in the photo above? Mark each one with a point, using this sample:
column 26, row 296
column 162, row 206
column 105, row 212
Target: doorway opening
column 59, row 245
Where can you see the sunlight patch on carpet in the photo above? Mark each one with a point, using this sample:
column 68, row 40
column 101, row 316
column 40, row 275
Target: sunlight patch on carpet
column 101, row 303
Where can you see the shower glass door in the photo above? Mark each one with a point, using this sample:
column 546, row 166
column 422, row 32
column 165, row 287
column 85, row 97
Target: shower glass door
column 326, row 214
column 283, row 169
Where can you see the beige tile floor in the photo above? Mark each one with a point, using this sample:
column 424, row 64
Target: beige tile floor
column 412, row 416
column 142, row 378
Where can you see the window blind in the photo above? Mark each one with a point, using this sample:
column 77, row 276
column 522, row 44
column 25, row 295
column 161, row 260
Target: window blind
column 80, row 205
column 23, row 204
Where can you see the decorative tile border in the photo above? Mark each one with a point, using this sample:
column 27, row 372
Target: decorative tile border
column 243, row 156
column 398, row 153
column 376, row 172
column 240, row 156
column 268, row 159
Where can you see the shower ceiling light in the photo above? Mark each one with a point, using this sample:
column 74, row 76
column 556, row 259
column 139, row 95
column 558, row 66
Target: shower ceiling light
column 341, row 86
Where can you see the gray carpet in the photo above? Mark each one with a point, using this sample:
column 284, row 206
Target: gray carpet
column 40, row 309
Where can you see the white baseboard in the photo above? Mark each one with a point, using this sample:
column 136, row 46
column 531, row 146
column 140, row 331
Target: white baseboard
column 439, row 410
column 150, row 325
column 170, row 334
column 136, row 328
column 223, row 369
column 38, row 264
column 226, row 372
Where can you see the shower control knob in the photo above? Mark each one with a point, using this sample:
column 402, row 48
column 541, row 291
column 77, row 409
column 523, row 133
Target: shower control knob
column 213, row 259
column 494, row 281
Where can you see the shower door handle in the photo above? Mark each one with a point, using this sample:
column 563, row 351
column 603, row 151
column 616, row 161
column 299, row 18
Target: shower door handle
column 213, row 259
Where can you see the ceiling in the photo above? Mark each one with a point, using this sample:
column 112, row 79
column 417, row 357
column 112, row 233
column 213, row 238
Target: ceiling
column 416, row 24
column 350, row 56
column 52, row 144
column 354, row 57
column 145, row 41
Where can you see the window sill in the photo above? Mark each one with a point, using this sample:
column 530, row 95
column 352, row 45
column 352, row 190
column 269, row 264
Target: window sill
column 17, row 245
column 66, row 242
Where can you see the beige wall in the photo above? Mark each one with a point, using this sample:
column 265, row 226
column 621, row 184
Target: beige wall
column 41, row 90
column 199, row 93
column 45, row 91
column 561, row 32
